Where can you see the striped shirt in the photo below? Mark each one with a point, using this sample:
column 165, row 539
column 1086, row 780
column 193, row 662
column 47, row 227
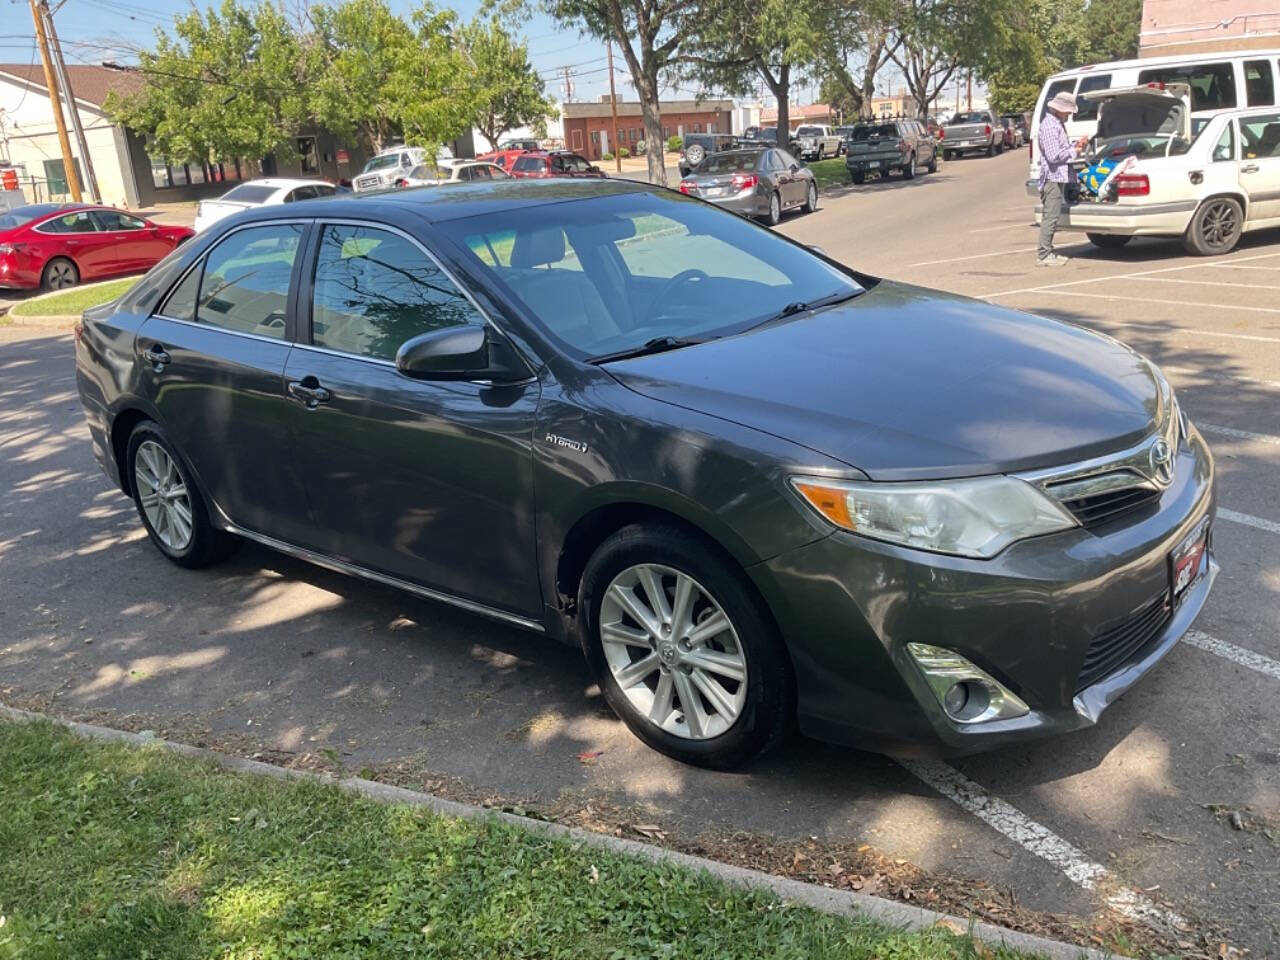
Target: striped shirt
column 1056, row 152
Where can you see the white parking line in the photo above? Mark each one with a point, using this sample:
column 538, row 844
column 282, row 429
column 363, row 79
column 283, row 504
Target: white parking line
column 1232, row 266
column 1214, row 375
column 1249, row 521
column 1172, row 303
column 1208, row 283
column 976, row 256
column 1035, row 838
column 1229, row 651
column 1239, row 434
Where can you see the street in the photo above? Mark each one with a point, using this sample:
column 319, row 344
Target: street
column 1169, row 808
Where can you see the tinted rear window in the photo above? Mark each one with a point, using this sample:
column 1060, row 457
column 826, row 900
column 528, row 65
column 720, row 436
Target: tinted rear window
column 529, row 163
column 808, row 131
column 730, row 162
column 970, row 118
column 875, row 131
column 250, row 193
column 20, row 216
column 1213, row 85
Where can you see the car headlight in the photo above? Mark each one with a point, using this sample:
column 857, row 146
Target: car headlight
column 975, row 517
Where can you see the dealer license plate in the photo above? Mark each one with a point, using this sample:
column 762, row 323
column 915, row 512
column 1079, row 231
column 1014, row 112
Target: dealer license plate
column 1187, row 559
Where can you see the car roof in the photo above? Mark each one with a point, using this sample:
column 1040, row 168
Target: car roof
column 460, row 201
column 279, row 183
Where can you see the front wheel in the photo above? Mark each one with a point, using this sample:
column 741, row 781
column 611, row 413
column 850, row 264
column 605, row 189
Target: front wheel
column 169, row 502
column 821, row 151
column 1108, row 241
column 683, row 648
column 1215, row 228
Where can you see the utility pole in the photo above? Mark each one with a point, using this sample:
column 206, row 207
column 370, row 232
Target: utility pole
column 970, row 100
column 51, row 82
column 568, row 86
column 613, row 110
column 60, row 67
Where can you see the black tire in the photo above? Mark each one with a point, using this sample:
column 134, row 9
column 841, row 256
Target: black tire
column 822, row 149
column 857, row 176
column 774, row 216
column 811, row 198
column 1108, row 241
column 999, row 148
column 991, row 149
column 59, row 274
column 207, row 544
column 766, row 714
column 933, row 163
column 948, row 154
column 909, row 168
column 1215, row 228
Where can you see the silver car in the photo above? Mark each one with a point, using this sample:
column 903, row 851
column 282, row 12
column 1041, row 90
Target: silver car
column 755, row 183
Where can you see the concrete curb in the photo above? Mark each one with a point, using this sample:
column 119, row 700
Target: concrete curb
column 838, row 902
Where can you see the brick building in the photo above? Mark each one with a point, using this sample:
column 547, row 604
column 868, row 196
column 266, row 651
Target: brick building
column 587, row 126
column 1172, row 27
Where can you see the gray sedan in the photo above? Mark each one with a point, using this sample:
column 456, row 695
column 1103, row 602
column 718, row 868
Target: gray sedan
column 754, row 183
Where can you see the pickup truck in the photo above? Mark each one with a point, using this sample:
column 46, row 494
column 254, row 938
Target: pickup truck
column 815, row 141
column 972, row 130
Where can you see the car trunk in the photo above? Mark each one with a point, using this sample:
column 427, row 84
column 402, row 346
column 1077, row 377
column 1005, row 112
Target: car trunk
column 876, row 143
column 1135, row 124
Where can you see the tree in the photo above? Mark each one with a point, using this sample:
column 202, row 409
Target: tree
column 854, row 32
column 1112, row 28
column 506, row 91
column 649, row 34
column 225, row 85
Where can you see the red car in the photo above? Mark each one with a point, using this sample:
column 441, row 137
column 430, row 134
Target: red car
column 53, row 245
column 554, row 163
column 503, row 158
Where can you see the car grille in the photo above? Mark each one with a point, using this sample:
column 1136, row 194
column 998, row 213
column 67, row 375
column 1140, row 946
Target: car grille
column 1114, row 647
column 1096, row 509
column 367, row 183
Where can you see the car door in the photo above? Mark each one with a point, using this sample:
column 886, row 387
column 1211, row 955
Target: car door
column 132, row 244
column 428, row 482
column 793, row 186
column 212, row 361
column 77, row 236
column 1260, row 164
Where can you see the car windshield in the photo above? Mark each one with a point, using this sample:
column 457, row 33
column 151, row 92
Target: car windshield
column 21, row 216
column 616, row 272
column 730, row 161
column 808, row 131
column 874, row 131
column 250, row 193
column 382, row 163
column 969, row 118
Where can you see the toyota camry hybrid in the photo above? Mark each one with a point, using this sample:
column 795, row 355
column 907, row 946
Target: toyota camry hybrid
column 760, row 489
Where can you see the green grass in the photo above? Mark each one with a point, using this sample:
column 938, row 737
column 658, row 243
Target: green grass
column 74, row 301
column 830, row 173
column 112, row 852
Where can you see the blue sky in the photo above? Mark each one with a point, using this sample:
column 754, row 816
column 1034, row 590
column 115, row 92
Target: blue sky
column 97, row 30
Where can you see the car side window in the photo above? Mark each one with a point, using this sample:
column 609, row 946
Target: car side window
column 1088, row 109
column 1260, row 137
column 242, row 284
column 1225, row 149
column 1058, row 86
column 113, row 221
column 324, row 190
column 465, row 174
column 78, row 222
column 557, row 164
column 1259, row 85
column 375, row 289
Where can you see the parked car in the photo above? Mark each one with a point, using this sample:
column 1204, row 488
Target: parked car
column 256, row 193
column 460, row 171
column 755, row 486
column 754, row 183
column 972, row 130
column 1008, row 134
column 1020, row 123
column 766, row 137
column 814, row 141
column 53, row 246
column 699, row 145
column 519, row 143
column 885, row 146
column 504, row 158
column 1207, row 187
column 384, row 168
column 554, row 163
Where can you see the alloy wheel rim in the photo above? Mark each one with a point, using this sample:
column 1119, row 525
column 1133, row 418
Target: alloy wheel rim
column 1219, row 224
column 775, row 208
column 813, row 196
column 60, row 276
column 165, row 499
column 673, row 651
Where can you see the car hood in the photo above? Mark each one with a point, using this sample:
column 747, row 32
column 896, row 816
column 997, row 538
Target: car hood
column 907, row 383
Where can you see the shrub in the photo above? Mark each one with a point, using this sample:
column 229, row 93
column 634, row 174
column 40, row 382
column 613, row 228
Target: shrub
column 674, row 144
column 606, row 156
column 641, row 147
column 623, row 152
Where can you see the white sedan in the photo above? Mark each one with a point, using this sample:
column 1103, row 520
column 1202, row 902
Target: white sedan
column 452, row 171
column 258, row 193
column 1208, row 185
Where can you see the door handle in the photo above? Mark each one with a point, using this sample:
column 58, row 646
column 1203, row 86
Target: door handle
column 1249, row 168
column 309, row 391
column 157, row 356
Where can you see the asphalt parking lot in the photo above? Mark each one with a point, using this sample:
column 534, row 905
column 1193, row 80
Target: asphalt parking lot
column 1171, row 806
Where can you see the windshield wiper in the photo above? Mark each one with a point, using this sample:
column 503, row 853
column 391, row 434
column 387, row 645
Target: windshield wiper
column 656, row 345
column 805, row 306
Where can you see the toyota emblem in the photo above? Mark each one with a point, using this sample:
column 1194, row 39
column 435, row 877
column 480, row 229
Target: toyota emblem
column 1162, row 462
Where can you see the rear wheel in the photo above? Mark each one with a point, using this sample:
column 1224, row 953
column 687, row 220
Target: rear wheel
column 933, row 163
column 857, row 176
column 909, row 168
column 169, row 502
column 991, row 149
column 1108, row 241
column 1215, row 228
column 948, row 154
column 683, row 649
column 59, row 273
column 811, row 200
column 775, row 209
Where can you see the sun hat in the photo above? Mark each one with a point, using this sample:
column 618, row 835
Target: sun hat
column 1063, row 102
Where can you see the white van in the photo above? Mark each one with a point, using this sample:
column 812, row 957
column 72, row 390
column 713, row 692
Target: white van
column 1219, row 81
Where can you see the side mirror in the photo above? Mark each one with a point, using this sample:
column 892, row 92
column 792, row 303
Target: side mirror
column 468, row 352
column 594, row 168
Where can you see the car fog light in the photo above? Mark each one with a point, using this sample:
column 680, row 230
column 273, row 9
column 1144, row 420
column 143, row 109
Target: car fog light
column 967, row 693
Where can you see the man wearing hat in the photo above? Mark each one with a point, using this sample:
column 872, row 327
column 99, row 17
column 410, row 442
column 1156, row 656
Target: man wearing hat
column 1056, row 154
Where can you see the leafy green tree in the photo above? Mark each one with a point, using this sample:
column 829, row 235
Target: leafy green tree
column 506, row 90
column 1112, row 28
column 854, row 44
column 226, row 84
column 433, row 101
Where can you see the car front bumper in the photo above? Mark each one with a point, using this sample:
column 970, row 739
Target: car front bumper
column 848, row 606
column 1154, row 219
